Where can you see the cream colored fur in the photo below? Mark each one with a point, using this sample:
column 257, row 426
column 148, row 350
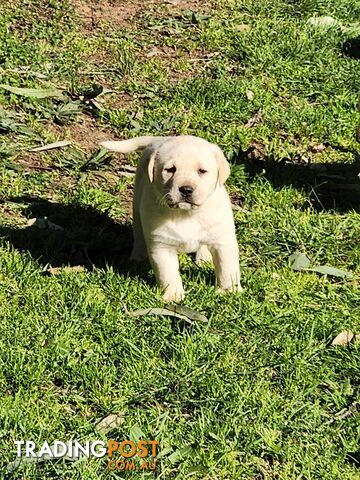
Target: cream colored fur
column 181, row 205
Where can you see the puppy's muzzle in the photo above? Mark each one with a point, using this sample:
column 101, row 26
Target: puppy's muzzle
column 186, row 191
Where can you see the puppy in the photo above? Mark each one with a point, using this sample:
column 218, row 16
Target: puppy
column 181, row 205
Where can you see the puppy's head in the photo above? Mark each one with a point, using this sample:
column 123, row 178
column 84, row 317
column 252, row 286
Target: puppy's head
column 186, row 170
column 183, row 170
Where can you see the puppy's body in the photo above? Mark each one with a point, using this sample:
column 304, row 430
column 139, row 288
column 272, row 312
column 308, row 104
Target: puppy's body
column 181, row 205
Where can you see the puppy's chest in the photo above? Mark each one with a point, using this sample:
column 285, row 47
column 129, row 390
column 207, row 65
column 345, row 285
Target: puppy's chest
column 186, row 235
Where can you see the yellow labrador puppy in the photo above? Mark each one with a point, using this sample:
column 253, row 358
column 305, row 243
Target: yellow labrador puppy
column 181, row 205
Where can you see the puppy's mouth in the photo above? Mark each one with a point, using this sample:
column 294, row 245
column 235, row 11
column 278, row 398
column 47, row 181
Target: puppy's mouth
column 187, row 205
column 184, row 205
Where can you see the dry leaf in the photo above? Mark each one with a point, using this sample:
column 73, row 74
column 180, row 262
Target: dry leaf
column 249, row 95
column 323, row 21
column 242, row 27
column 127, row 171
column 59, row 270
column 299, row 261
column 344, row 338
column 43, row 224
column 35, row 92
column 346, row 412
column 94, row 103
column 237, row 208
column 177, row 311
column 28, row 165
column 255, row 120
column 159, row 311
column 357, row 337
column 332, row 271
column 188, row 312
column 50, row 146
column 317, row 148
column 127, row 168
column 154, row 52
column 110, row 422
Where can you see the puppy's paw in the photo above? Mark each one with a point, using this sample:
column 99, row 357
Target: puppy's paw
column 173, row 294
column 232, row 289
column 203, row 255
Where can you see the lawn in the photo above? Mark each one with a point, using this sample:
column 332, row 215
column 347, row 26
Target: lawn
column 258, row 391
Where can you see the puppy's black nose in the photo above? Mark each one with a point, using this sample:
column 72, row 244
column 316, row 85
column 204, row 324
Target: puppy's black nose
column 186, row 190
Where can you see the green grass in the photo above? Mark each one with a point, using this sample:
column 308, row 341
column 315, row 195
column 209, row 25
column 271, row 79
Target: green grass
column 257, row 392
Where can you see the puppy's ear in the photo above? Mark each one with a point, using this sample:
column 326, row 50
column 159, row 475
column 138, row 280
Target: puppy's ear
column 151, row 164
column 223, row 165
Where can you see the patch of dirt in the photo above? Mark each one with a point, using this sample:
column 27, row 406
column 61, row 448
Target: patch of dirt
column 121, row 13
column 237, row 199
column 85, row 133
column 117, row 12
column 32, row 161
column 117, row 100
column 186, row 4
column 124, row 15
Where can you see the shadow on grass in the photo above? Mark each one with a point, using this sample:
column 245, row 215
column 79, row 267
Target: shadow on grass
column 90, row 238
column 351, row 48
column 331, row 186
column 353, row 458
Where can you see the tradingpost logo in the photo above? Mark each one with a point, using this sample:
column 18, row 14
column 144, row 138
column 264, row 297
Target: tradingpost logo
column 124, row 455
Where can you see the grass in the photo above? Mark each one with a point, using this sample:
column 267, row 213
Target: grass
column 257, row 392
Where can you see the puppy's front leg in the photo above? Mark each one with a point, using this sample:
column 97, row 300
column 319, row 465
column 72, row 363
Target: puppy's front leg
column 227, row 270
column 165, row 263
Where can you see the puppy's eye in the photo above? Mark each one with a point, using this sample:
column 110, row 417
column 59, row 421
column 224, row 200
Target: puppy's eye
column 170, row 170
column 201, row 171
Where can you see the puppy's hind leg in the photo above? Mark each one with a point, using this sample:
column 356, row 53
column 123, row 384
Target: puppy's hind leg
column 203, row 255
